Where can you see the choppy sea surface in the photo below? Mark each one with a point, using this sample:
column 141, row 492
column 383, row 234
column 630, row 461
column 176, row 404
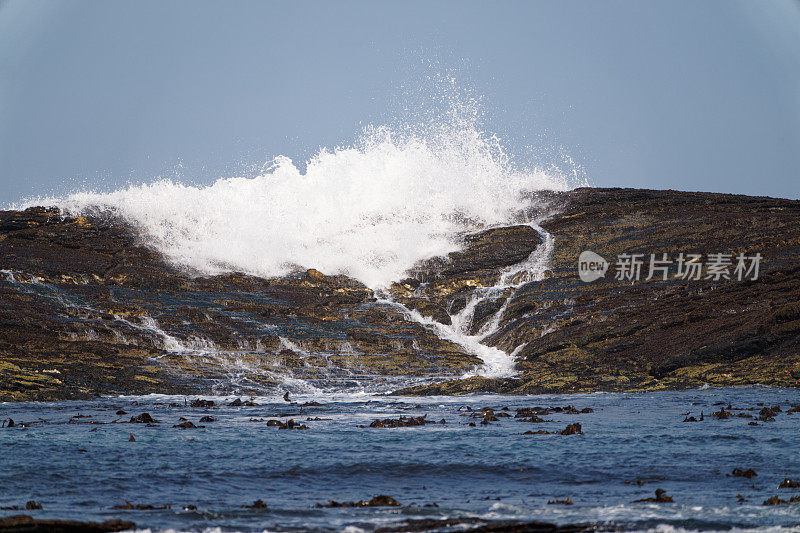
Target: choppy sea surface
column 75, row 458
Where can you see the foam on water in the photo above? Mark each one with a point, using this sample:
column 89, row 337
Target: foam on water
column 369, row 210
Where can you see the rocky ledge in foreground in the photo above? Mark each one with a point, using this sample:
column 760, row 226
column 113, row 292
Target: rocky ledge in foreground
column 86, row 308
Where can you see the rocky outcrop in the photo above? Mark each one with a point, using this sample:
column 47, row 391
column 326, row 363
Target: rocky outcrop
column 658, row 334
column 442, row 286
column 87, row 308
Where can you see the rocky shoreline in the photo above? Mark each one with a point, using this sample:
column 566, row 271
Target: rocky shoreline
column 86, row 308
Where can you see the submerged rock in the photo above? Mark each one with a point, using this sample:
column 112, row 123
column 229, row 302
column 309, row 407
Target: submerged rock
column 661, row 497
column 377, row 501
column 749, row 473
column 258, row 504
column 140, row 507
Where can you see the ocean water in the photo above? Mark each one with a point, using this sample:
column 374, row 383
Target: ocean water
column 79, row 467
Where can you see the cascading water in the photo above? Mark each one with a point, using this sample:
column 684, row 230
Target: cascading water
column 370, row 210
column 496, row 362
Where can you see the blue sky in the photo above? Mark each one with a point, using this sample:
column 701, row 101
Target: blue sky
column 681, row 95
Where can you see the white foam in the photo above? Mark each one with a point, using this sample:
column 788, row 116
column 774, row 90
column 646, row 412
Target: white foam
column 369, row 210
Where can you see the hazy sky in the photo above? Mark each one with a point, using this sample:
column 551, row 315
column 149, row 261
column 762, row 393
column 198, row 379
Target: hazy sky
column 683, row 95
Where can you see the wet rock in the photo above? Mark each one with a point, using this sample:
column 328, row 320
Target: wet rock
column 686, row 346
column 291, row 424
column 767, row 414
column 402, row 422
column 540, row 432
column 528, row 412
column 535, row 420
column 428, row 308
column 775, row 500
column 143, row 418
column 128, row 506
column 565, row 501
column 749, row 473
column 661, row 497
column 207, row 419
column 572, row 429
column 185, row 425
column 32, row 505
column 485, row 310
column 28, row 524
column 121, row 412
column 789, row 484
column 202, row 403
column 378, row 501
column 236, row 403
column 258, row 504
column 722, row 414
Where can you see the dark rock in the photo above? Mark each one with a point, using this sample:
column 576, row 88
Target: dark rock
column 28, row 524
column 208, row 419
column 749, row 473
column 377, row 501
column 485, row 310
column 143, row 418
column 291, row 424
column 202, row 403
column 185, row 425
column 661, row 497
column 258, row 504
column 32, row 506
column 789, row 484
column 775, row 500
column 565, row 501
column 606, row 335
column 139, row 507
column 572, row 429
column 401, row 422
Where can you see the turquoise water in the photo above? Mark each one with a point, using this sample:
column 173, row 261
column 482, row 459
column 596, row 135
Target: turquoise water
column 80, row 469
